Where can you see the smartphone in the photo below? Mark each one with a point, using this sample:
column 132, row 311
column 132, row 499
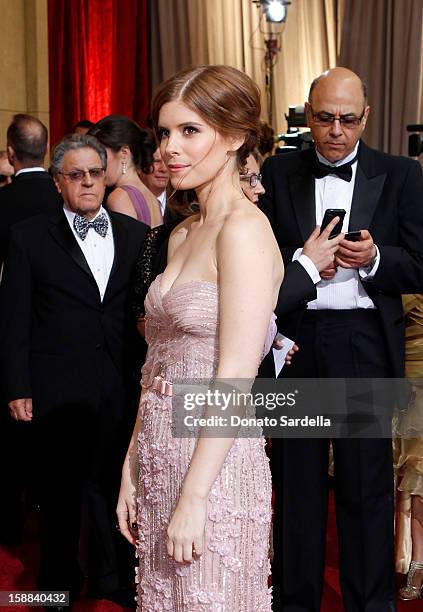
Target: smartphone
column 330, row 214
column 353, row 236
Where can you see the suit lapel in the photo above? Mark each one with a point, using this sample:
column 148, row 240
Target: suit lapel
column 62, row 233
column 367, row 190
column 301, row 187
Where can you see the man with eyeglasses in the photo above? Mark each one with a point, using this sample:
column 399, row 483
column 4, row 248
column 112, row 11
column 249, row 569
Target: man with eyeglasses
column 251, row 178
column 65, row 353
column 348, row 324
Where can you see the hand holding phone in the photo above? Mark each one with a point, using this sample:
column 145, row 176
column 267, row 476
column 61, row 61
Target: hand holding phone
column 353, row 236
column 330, row 214
column 320, row 248
column 356, row 254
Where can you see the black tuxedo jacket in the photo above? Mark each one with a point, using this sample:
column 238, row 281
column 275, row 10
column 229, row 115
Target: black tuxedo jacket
column 387, row 200
column 29, row 194
column 53, row 326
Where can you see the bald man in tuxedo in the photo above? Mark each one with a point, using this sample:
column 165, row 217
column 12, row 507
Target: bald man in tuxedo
column 348, row 324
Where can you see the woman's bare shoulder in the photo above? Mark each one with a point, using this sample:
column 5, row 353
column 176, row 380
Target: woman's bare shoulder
column 248, row 234
column 118, row 195
column 246, row 222
column 119, row 201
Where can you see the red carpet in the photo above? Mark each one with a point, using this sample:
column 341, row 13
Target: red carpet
column 18, row 565
column 332, row 601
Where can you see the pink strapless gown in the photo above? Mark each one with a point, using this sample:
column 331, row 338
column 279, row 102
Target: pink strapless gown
column 232, row 574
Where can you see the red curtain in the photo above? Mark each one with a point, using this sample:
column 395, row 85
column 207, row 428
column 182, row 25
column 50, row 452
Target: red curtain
column 98, row 61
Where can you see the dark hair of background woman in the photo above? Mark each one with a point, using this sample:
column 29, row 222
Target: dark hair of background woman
column 117, row 131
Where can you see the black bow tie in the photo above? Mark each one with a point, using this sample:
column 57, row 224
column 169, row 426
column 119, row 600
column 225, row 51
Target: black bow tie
column 82, row 225
column 344, row 172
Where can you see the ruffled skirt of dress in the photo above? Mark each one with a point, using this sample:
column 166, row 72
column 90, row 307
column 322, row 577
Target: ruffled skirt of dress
column 232, row 574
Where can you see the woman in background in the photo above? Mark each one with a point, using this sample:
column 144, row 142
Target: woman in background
column 250, row 177
column 409, row 463
column 129, row 150
column 203, row 506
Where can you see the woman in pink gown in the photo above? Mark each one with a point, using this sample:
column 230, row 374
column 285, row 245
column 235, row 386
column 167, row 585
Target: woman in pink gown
column 199, row 509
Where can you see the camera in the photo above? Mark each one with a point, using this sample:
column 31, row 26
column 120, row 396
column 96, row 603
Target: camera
column 294, row 139
column 415, row 141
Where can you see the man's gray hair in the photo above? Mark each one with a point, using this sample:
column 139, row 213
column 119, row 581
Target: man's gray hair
column 74, row 142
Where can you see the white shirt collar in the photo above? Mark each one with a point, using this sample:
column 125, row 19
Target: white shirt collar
column 71, row 214
column 34, row 169
column 347, row 159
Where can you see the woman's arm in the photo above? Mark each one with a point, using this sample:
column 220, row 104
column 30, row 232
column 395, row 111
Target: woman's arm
column 248, row 283
column 126, row 508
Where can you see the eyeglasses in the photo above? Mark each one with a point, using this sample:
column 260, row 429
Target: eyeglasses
column 76, row 176
column 253, row 178
column 349, row 121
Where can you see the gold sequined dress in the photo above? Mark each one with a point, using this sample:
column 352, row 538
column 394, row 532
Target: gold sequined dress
column 232, row 574
column 409, row 449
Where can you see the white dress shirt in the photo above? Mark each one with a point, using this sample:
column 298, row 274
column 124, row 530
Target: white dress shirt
column 345, row 290
column 98, row 251
column 162, row 201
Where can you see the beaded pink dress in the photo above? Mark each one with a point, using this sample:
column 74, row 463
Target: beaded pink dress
column 232, row 574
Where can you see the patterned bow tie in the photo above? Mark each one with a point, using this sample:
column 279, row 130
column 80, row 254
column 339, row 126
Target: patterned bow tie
column 344, row 172
column 82, row 225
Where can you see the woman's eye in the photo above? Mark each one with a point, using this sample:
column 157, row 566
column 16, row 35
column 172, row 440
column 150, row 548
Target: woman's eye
column 162, row 133
column 189, row 130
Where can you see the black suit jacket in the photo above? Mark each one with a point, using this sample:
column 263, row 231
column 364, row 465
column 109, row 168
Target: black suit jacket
column 53, row 326
column 29, row 194
column 387, row 200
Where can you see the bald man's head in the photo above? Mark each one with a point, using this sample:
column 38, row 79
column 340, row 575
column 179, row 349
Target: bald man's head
column 339, row 74
column 27, row 141
column 337, row 112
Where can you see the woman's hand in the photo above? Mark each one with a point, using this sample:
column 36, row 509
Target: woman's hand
column 126, row 508
column 186, row 528
column 278, row 344
column 290, row 354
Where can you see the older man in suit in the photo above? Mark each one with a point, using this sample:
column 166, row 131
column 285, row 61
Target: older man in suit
column 348, row 324
column 66, row 337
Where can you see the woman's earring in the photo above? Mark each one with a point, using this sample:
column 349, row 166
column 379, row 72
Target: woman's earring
column 124, row 167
